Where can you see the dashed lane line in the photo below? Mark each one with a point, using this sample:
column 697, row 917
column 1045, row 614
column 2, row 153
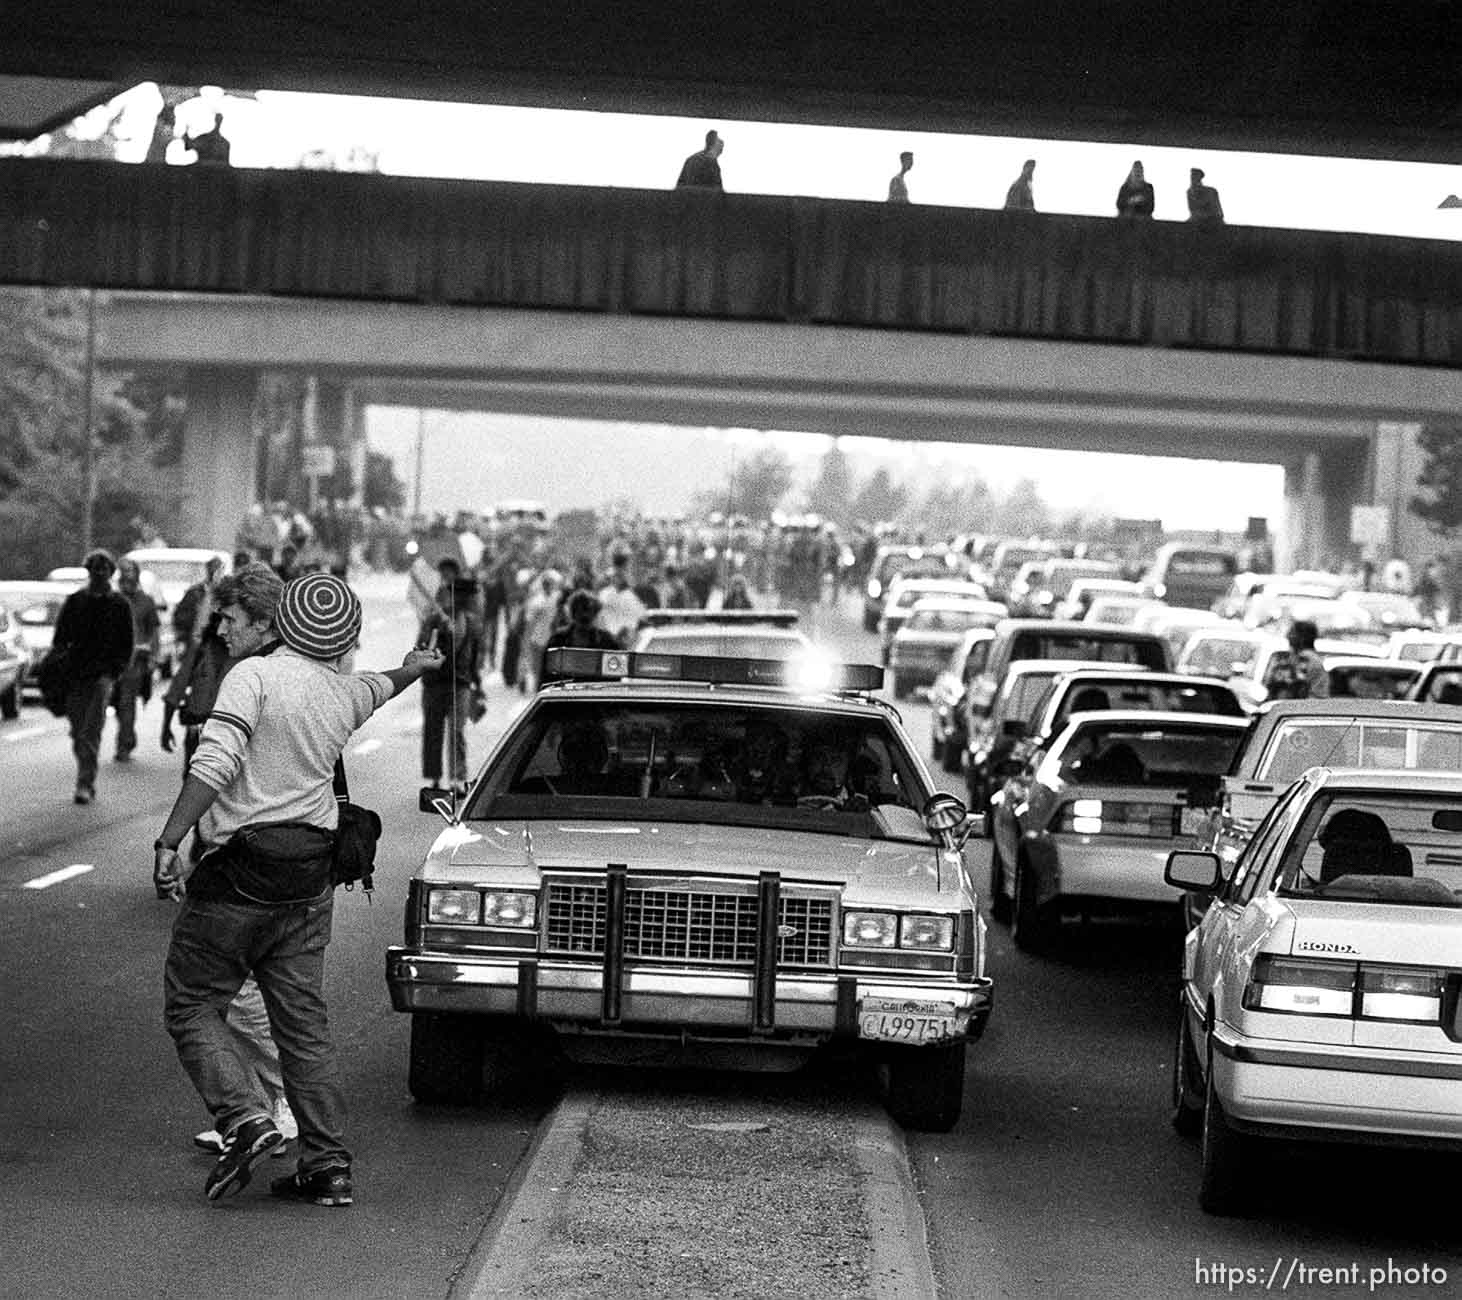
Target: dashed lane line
column 56, row 877
column 27, row 733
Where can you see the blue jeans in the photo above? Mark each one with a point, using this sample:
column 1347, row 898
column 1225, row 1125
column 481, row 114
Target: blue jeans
column 215, row 946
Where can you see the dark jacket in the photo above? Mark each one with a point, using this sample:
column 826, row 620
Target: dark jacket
column 95, row 633
column 700, row 172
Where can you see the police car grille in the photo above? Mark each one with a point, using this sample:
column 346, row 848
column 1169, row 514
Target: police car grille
column 685, row 925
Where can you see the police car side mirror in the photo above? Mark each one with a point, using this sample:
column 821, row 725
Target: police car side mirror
column 946, row 815
column 434, row 799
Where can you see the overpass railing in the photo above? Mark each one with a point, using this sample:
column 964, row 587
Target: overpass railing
column 749, row 257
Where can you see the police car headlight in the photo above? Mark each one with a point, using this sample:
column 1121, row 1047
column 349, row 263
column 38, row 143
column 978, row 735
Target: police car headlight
column 519, row 910
column 870, row 929
column 927, row 932
column 454, row 907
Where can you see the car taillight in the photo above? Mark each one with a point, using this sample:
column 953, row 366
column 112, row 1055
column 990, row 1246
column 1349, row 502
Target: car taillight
column 1301, row 985
column 1401, row 993
column 1114, row 817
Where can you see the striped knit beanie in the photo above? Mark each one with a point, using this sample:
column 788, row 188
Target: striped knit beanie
column 318, row 616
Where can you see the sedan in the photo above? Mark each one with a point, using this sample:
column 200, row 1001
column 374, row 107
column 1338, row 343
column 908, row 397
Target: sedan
column 948, row 730
column 1320, row 992
column 14, row 658
column 935, row 627
column 1087, row 824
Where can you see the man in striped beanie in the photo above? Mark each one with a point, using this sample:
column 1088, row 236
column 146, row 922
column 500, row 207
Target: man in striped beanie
column 259, row 793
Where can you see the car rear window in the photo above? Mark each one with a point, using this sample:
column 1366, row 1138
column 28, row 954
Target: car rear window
column 1222, row 656
column 1155, row 697
column 1303, row 743
column 728, row 764
column 1035, row 643
column 1166, row 757
column 1205, row 564
column 1404, row 849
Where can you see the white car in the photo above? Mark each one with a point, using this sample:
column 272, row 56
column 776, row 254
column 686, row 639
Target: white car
column 905, row 593
column 713, row 865
column 1320, row 991
column 733, row 633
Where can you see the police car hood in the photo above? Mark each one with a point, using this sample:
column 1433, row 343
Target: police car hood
column 512, row 853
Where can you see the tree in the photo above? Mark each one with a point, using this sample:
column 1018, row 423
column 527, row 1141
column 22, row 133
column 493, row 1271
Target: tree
column 756, row 487
column 382, row 489
column 831, row 495
column 1440, row 501
column 1023, row 512
column 880, row 499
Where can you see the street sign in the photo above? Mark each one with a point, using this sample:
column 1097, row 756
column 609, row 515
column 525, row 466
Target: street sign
column 319, row 460
column 1370, row 525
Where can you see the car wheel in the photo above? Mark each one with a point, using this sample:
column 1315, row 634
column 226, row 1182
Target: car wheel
column 1187, row 1112
column 1030, row 922
column 1225, row 1158
column 926, row 1086
column 446, row 1058
column 999, row 904
column 10, row 702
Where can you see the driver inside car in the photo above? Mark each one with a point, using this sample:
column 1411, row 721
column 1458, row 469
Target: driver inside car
column 826, row 760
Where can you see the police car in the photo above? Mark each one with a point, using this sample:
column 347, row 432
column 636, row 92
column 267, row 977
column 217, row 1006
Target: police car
column 1321, row 990
column 724, row 633
column 709, row 860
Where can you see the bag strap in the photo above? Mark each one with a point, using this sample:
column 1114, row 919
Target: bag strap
column 342, row 789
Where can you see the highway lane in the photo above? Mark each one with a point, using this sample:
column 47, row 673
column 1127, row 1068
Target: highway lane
column 1063, row 1176
column 100, row 1187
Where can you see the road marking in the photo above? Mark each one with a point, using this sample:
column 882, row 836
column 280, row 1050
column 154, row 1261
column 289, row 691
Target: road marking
column 25, row 733
column 56, row 877
column 366, row 747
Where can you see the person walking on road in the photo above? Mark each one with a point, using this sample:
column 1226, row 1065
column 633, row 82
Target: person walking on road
column 454, row 628
column 702, row 170
column 136, row 680
column 260, row 799
column 93, row 645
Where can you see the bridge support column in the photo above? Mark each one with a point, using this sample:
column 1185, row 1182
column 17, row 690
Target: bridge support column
column 219, row 455
column 1396, row 461
column 1303, row 510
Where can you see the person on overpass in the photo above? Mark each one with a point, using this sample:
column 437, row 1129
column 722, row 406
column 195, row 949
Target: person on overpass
column 898, row 190
column 1204, row 207
column 212, row 146
column 702, row 171
column 1136, row 198
column 1020, row 197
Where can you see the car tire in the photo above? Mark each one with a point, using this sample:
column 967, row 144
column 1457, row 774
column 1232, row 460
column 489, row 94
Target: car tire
column 1225, row 1158
column 1030, row 922
column 1187, row 1098
column 10, row 701
column 925, row 1086
column 447, row 1054
column 999, row 904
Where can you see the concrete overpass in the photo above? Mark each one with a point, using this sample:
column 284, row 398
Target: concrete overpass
column 1343, row 430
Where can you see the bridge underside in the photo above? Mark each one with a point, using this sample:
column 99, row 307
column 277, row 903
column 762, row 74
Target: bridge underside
column 1338, row 428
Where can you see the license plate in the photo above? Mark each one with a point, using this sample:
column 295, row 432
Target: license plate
column 894, row 1020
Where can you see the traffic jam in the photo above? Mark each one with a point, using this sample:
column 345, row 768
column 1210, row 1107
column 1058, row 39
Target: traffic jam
column 877, row 822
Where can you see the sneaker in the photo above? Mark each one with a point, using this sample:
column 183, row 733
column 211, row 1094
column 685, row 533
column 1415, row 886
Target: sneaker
column 209, row 1140
column 329, row 1186
column 249, row 1143
column 84, row 794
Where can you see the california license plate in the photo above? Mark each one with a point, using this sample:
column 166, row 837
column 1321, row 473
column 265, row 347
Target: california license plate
column 900, row 1020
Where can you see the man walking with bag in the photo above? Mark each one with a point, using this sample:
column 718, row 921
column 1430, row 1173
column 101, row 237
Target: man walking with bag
column 260, row 794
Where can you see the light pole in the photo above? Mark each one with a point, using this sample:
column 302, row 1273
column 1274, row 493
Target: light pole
column 88, row 449
column 420, row 450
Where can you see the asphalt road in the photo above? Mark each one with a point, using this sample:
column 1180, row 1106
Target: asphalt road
column 1061, row 1179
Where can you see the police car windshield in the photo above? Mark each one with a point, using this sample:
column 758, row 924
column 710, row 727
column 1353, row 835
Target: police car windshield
column 784, row 768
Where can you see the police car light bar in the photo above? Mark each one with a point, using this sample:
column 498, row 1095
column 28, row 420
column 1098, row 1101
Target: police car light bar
column 807, row 673
column 721, row 617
